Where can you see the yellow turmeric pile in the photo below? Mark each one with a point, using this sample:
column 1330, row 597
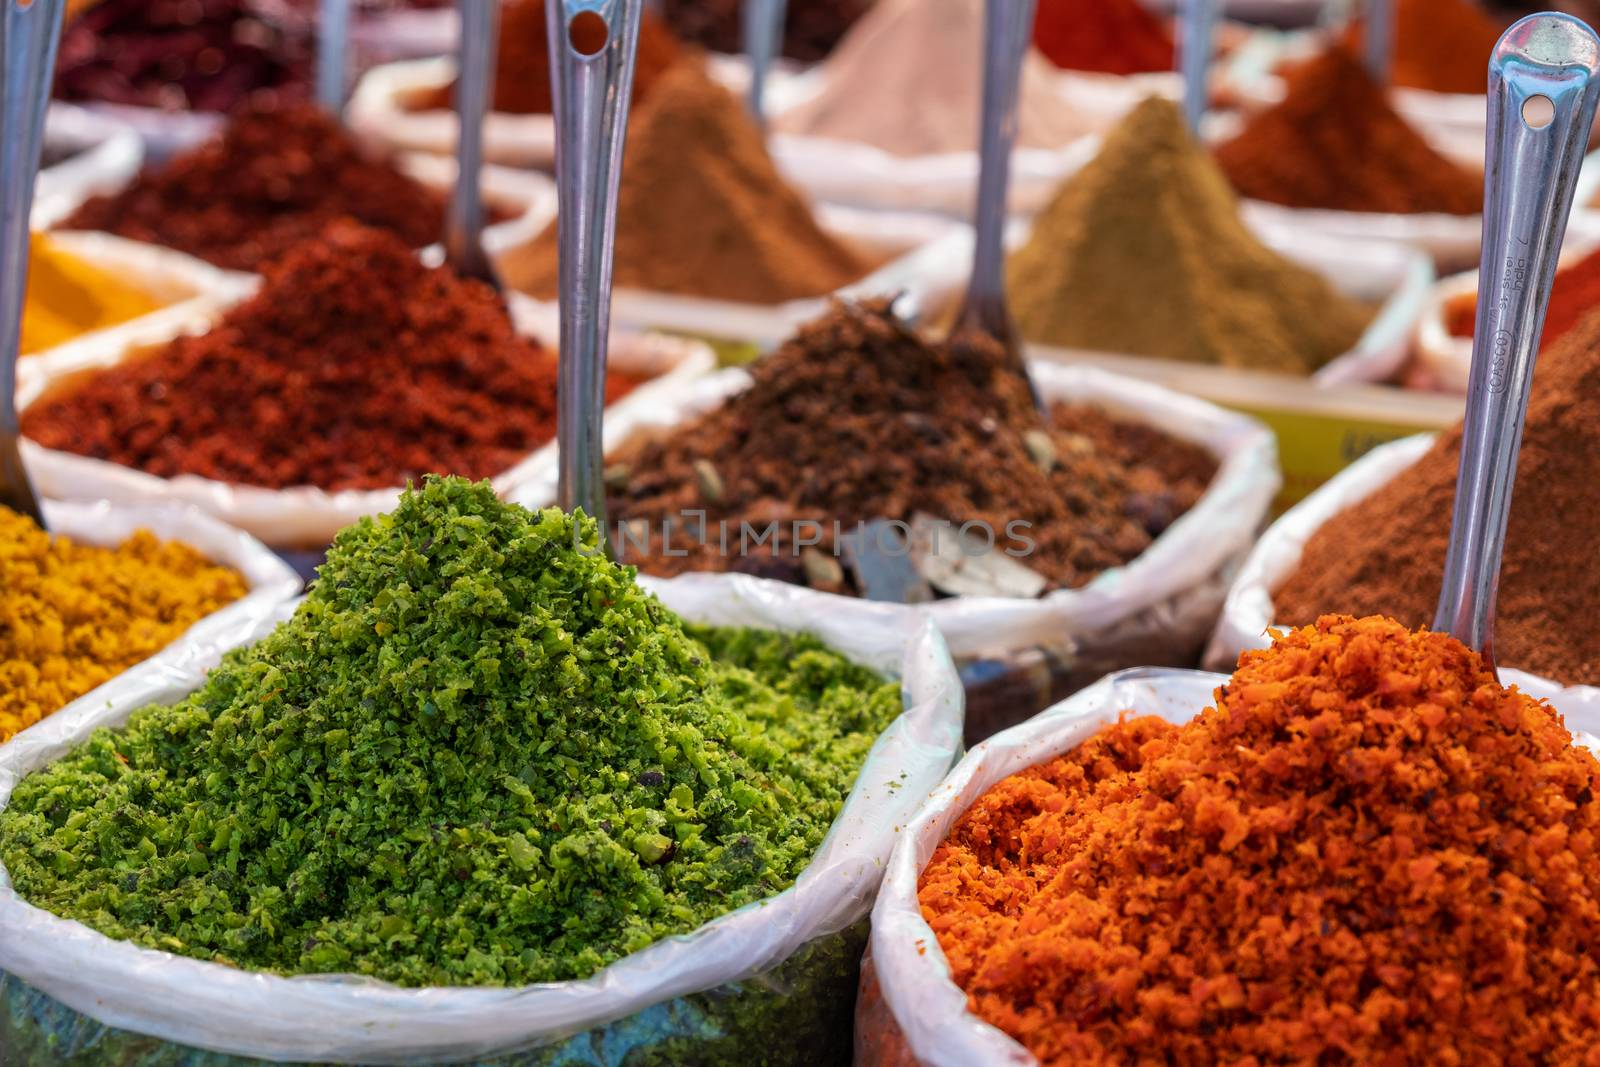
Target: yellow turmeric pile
column 72, row 616
column 68, row 297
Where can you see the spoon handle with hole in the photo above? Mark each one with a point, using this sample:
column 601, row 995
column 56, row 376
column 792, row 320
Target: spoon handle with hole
column 463, row 242
column 1379, row 33
column 333, row 38
column 28, row 38
column 762, row 27
column 591, row 95
column 1008, row 25
column 1544, row 63
column 1194, row 58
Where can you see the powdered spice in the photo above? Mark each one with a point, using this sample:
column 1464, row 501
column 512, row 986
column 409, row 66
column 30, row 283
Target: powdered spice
column 1386, row 553
column 1367, row 852
column 1576, row 292
column 1110, row 36
column 856, row 418
column 702, row 210
column 811, row 28
column 271, row 180
column 522, row 63
column 1439, row 45
column 1334, row 142
column 1143, row 252
column 354, row 367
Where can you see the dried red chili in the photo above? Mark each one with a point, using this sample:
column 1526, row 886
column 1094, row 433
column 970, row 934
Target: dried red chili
column 354, row 367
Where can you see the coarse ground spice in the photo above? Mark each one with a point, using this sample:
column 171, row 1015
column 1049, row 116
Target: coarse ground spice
column 908, row 79
column 702, row 210
column 354, row 367
column 1143, row 252
column 856, row 418
column 1334, row 142
column 1367, row 852
column 73, row 616
column 522, row 63
column 1110, row 36
column 271, row 180
column 811, row 28
column 1576, row 292
column 1386, row 553
column 478, row 754
column 1439, row 45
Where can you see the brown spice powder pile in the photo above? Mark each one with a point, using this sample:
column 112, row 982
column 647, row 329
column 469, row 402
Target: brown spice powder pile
column 1334, row 142
column 271, row 180
column 1386, row 553
column 856, row 418
column 354, row 367
column 1143, row 252
column 1367, row 852
column 702, row 210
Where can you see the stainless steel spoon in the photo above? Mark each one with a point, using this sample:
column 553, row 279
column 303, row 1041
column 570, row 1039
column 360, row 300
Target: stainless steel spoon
column 1542, row 95
column 762, row 27
column 1007, row 26
column 591, row 93
column 333, row 38
column 463, row 237
column 1194, row 58
column 1379, row 33
column 28, row 36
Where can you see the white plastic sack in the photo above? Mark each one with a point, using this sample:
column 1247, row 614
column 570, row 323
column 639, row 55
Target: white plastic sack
column 271, row 583
column 1162, row 602
column 384, row 110
column 928, row 1008
column 304, row 516
column 104, row 155
column 205, row 1005
column 1248, row 611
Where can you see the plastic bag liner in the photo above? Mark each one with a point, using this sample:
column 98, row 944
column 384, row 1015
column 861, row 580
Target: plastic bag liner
column 719, row 994
column 915, row 994
column 101, row 154
column 1248, row 611
column 1160, row 605
column 271, row 582
column 304, row 516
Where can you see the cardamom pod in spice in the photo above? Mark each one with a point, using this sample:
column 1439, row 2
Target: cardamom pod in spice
column 73, row 616
column 857, row 418
column 702, row 210
column 1368, row 851
column 1334, row 142
column 1386, row 553
column 478, row 754
column 1143, row 252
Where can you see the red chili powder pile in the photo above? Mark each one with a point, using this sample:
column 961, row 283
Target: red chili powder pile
column 1334, row 142
column 1368, row 852
column 522, row 62
column 354, row 367
column 1111, row 36
column 1576, row 292
column 1440, row 45
column 271, row 180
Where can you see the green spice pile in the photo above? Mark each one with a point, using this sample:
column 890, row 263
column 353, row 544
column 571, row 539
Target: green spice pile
column 1143, row 252
column 478, row 754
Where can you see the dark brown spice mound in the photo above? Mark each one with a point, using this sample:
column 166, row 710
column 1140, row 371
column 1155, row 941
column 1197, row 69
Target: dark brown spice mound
column 1386, row 553
column 271, row 180
column 856, row 418
column 1368, row 852
column 355, row 367
column 810, row 27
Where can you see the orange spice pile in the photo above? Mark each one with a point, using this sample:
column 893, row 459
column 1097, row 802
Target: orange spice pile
column 1367, row 852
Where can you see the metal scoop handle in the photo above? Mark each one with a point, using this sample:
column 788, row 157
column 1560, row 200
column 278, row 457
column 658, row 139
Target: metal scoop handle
column 762, row 28
column 1007, row 27
column 463, row 237
column 1194, row 59
column 28, row 37
column 333, row 38
column 591, row 96
column 1528, row 188
column 1379, row 33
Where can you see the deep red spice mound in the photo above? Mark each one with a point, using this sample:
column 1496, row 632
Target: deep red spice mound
column 1575, row 293
column 1367, row 853
column 1112, row 36
column 272, row 180
column 355, row 367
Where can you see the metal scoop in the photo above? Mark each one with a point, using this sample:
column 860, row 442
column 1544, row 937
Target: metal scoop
column 333, row 37
column 762, row 27
column 1194, row 59
column 1007, row 26
column 1542, row 94
column 1380, row 39
column 28, row 36
column 463, row 228
column 591, row 93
